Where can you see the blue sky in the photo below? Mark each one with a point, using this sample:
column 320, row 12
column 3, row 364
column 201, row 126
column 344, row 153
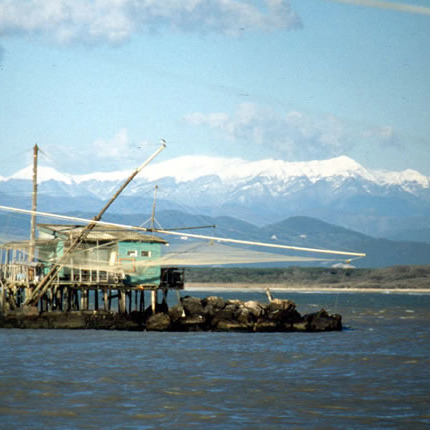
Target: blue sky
column 97, row 84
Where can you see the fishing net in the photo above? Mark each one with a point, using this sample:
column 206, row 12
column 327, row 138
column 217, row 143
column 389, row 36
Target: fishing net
column 118, row 250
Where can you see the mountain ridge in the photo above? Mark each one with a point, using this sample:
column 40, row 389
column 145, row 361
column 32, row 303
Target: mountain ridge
column 377, row 203
column 190, row 167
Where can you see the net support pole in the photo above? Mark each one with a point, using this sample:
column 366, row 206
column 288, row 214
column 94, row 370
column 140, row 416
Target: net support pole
column 33, row 206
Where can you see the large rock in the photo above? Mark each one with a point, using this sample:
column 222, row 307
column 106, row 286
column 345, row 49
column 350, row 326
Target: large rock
column 279, row 304
column 322, row 321
column 227, row 314
column 158, row 322
column 214, row 302
column 176, row 313
column 188, row 320
column 192, row 305
column 254, row 308
column 244, row 316
column 283, row 314
column 289, row 315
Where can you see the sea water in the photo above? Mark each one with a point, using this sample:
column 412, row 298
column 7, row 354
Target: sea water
column 375, row 373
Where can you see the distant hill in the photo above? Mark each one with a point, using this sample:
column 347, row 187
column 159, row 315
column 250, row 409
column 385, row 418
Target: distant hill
column 417, row 235
column 305, row 231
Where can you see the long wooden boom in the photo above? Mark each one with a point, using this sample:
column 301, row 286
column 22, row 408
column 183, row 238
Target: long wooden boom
column 190, row 235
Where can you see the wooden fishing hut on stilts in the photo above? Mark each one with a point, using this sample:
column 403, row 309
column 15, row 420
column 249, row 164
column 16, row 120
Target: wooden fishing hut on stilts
column 70, row 268
column 112, row 266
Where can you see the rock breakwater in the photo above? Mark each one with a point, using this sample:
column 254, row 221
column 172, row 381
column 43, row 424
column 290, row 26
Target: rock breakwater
column 215, row 314
column 190, row 314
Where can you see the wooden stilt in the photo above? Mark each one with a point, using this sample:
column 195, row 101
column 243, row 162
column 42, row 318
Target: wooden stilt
column 2, row 296
column 178, row 294
column 53, row 299
column 59, row 299
column 85, row 294
column 66, row 300
column 130, row 301
column 18, row 297
column 165, row 291
column 50, row 299
column 122, row 301
column 96, row 299
column 142, row 301
column 77, row 299
column 153, row 300
column 106, row 304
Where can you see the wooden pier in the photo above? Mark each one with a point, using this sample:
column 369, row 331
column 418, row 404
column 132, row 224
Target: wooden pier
column 76, row 288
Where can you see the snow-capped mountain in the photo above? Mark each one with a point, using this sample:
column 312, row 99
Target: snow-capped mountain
column 337, row 190
column 234, row 170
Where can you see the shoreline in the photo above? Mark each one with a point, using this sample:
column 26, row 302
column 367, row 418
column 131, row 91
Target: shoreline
column 300, row 288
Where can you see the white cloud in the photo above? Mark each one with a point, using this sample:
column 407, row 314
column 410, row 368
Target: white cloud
column 385, row 132
column 115, row 152
column 114, row 21
column 386, row 137
column 118, row 146
column 292, row 134
column 214, row 120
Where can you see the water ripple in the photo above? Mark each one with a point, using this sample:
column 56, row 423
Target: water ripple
column 374, row 374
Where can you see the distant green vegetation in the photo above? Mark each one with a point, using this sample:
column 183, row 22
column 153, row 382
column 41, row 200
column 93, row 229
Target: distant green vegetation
column 309, row 275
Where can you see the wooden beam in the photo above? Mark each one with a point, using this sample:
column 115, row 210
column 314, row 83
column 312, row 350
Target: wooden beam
column 154, row 301
column 33, row 206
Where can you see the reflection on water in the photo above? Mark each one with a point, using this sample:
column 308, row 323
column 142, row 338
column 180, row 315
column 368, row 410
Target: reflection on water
column 374, row 373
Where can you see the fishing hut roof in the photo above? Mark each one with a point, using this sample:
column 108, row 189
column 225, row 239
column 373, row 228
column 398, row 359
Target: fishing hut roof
column 23, row 244
column 100, row 233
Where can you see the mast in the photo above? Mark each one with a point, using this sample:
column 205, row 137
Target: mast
column 153, row 209
column 55, row 269
column 33, row 206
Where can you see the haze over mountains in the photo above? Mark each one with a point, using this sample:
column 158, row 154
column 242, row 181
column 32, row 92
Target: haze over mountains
column 314, row 204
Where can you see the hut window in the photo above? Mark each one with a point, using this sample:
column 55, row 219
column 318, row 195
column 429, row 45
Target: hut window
column 132, row 253
column 145, row 253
